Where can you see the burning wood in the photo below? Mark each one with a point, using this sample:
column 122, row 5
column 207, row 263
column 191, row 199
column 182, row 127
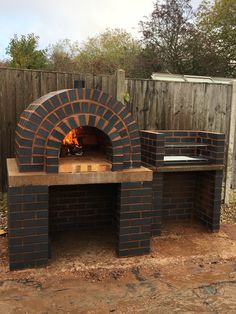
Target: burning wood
column 71, row 145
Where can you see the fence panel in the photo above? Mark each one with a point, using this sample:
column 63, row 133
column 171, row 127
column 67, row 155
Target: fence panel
column 174, row 105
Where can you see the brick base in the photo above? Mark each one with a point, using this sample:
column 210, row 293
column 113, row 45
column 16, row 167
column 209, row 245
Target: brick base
column 187, row 195
column 28, row 226
column 134, row 218
column 73, row 207
column 135, row 209
column 125, row 205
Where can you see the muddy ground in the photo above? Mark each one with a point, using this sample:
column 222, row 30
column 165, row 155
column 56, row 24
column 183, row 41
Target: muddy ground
column 188, row 271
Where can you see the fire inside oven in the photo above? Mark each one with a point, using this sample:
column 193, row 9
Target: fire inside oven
column 87, row 148
column 72, row 144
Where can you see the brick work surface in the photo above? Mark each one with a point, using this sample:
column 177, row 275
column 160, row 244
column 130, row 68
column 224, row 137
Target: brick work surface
column 45, row 123
column 156, row 144
column 28, row 226
column 134, row 215
column 184, row 195
column 82, row 206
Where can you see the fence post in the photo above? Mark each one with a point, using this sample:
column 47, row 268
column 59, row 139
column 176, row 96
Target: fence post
column 229, row 171
column 120, row 85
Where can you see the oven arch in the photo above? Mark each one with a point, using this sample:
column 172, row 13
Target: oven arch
column 47, row 120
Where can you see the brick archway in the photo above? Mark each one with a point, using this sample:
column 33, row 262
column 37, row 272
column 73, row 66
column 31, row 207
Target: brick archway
column 46, row 121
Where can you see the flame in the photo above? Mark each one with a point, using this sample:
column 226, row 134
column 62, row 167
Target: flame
column 71, row 138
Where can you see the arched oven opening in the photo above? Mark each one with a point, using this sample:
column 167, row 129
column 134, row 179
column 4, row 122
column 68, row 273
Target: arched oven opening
column 86, row 149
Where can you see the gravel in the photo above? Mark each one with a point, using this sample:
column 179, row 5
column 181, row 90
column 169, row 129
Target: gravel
column 3, row 213
column 228, row 214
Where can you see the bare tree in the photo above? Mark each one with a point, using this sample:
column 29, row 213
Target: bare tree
column 165, row 33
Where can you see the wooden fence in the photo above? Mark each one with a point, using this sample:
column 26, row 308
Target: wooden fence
column 154, row 104
column 174, row 105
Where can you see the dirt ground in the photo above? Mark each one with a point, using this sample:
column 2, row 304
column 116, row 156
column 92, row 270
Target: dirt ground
column 188, row 271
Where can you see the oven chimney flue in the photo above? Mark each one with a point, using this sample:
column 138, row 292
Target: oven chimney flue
column 79, row 84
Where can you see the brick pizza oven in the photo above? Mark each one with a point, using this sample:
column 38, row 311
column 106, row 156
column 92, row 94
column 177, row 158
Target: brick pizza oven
column 78, row 165
column 46, row 122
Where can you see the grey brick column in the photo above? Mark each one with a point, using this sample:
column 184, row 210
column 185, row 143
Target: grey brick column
column 157, row 203
column 28, row 226
column 134, row 214
column 208, row 198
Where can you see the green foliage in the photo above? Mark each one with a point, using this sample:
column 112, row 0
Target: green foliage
column 176, row 41
column 102, row 54
column 24, row 53
column 126, row 97
column 62, row 56
column 217, row 23
column 109, row 51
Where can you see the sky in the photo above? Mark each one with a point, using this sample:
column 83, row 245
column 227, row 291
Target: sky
column 76, row 20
